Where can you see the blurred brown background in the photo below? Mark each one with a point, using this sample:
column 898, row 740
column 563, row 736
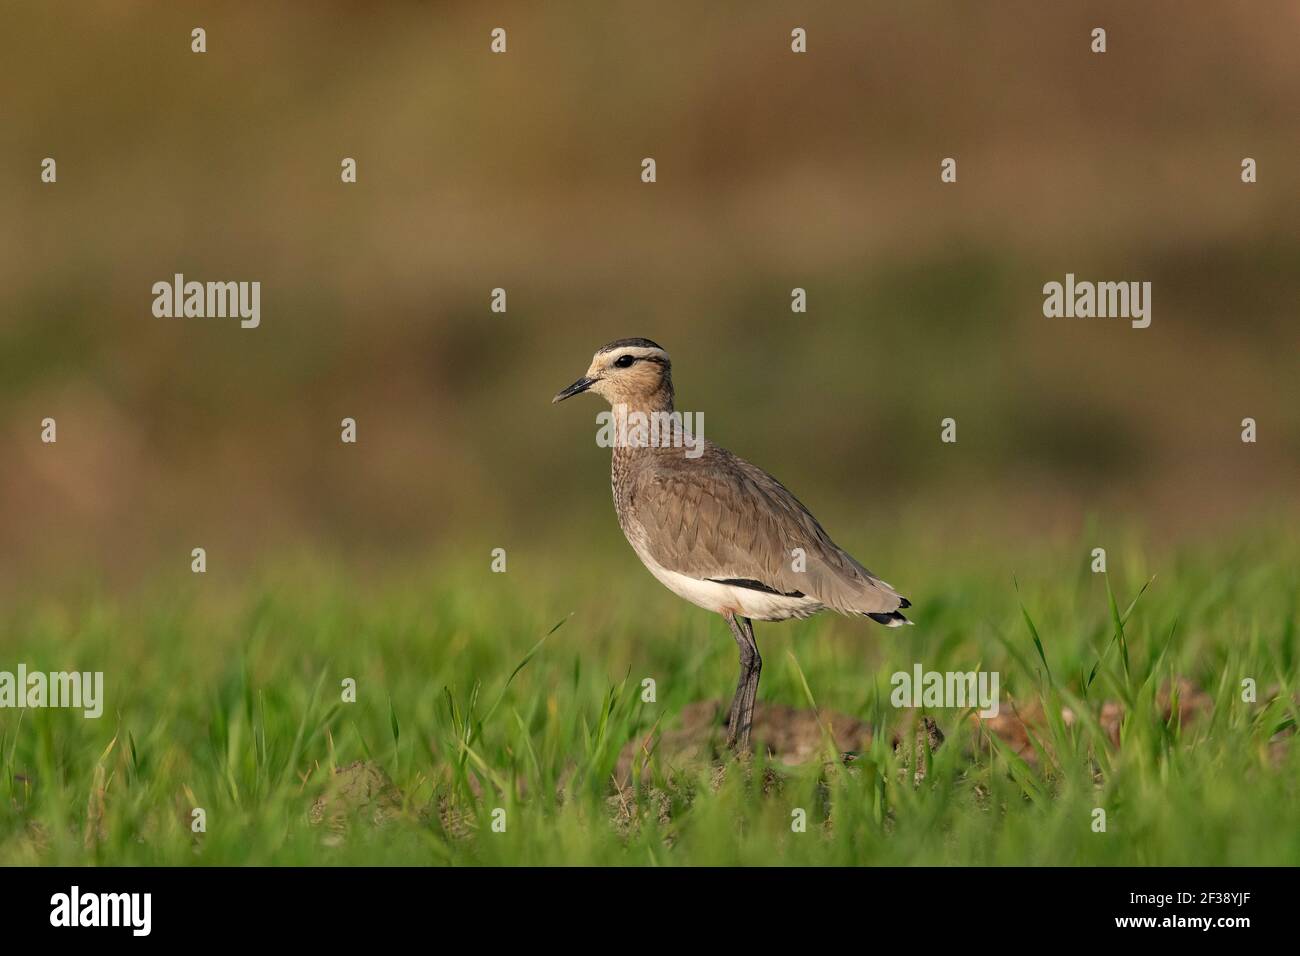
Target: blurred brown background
column 522, row 171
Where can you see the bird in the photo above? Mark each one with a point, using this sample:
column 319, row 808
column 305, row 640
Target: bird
column 715, row 529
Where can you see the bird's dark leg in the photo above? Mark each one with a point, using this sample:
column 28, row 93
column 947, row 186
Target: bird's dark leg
column 751, row 689
column 742, row 705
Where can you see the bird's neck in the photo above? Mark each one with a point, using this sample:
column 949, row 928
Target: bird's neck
column 641, row 426
column 660, row 401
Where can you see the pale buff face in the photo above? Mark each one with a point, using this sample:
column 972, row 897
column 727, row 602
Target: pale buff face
column 632, row 384
column 629, row 375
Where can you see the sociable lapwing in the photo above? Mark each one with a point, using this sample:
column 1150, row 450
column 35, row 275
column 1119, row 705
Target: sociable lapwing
column 714, row 529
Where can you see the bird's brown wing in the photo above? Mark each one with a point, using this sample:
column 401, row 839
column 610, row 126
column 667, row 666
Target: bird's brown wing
column 719, row 518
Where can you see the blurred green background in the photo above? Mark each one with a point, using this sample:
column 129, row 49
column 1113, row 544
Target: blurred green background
column 522, row 171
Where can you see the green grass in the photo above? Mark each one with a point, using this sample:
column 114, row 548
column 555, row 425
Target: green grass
column 226, row 695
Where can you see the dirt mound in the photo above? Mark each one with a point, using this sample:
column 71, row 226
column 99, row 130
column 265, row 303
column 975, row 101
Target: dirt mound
column 361, row 791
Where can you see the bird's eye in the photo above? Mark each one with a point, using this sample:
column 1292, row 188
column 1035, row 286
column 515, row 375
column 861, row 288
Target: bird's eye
column 623, row 361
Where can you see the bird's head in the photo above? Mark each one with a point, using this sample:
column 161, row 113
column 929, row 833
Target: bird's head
column 632, row 372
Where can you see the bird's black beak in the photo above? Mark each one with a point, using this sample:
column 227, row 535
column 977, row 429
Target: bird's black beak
column 581, row 385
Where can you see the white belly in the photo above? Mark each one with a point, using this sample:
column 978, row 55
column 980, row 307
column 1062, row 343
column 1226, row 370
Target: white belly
column 723, row 598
